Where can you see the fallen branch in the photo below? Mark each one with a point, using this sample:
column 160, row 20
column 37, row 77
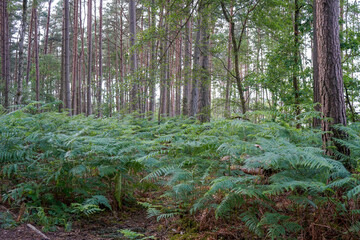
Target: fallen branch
column 37, row 231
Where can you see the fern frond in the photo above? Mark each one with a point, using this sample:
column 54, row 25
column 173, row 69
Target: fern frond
column 252, row 222
column 98, row 200
column 160, row 172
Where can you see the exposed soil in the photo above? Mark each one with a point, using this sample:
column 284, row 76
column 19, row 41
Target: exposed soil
column 102, row 227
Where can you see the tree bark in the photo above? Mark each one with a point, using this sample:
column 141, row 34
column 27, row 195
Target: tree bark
column 117, row 80
column 109, row 82
column 236, row 48
column 19, row 91
column 89, row 69
column 29, row 45
column 81, row 77
column 330, row 73
column 67, row 56
column 36, row 49
column 204, row 110
column 316, row 93
column 122, row 63
column 296, row 59
column 179, row 77
column 196, row 72
column 62, row 71
column 100, row 63
column 133, row 66
column 75, row 57
column 187, row 69
column 227, row 113
column 5, row 51
column 47, row 28
column 153, row 62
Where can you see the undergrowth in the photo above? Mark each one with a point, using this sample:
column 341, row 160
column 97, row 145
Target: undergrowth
column 265, row 180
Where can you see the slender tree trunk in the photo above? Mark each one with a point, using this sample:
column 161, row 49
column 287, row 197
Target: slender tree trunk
column 100, row 63
column 153, row 62
column 29, row 45
column 75, row 61
column 238, row 78
column 122, row 63
column 167, row 72
column 330, row 72
column 62, row 71
column 36, row 49
column 187, row 69
column 15, row 73
column 196, row 72
column 96, row 60
column 88, row 87
column 204, row 110
column 162, row 82
column 109, row 85
column 5, row 51
column 67, row 56
column 19, row 91
column 117, row 80
column 296, row 59
column 228, row 79
column 133, row 67
column 179, row 77
column 81, row 77
column 316, row 95
column 236, row 49
column 47, row 28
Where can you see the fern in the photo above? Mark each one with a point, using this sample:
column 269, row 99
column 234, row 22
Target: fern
column 355, row 227
column 252, row 222
column 271, row 171
column 278, row 225
column 160, row 172
column 87, row 209
column 98, row 200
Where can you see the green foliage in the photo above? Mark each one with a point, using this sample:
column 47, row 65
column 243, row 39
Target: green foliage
column 7, row 221
column 265, row 176
column 278, row 225
column 85, row 208
column 241, row 167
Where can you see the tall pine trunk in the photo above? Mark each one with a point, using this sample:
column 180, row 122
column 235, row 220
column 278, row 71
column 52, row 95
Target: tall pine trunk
column 100, row 77
column 196, row 72
column 75, row 61
column 67, row 56
column 19, row 92
column 153, row 62
column 228, row 78
column 296, row 59
column 89, row 69
column 109, row 82
column 204, row 110
column 36, row 50
column 134, row 103
column 179, row 78
column 29, row 45
column 187, row 68
column 316, row 88
column 330, row 73
column 47, row 28
column 5, row 54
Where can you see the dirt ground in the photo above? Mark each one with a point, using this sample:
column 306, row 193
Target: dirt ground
column 104, row 227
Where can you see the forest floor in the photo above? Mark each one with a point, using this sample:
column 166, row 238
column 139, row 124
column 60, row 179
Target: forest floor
column 104, row 226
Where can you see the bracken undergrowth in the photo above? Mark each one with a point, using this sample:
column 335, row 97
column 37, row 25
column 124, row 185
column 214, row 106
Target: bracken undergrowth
column 223, row 179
